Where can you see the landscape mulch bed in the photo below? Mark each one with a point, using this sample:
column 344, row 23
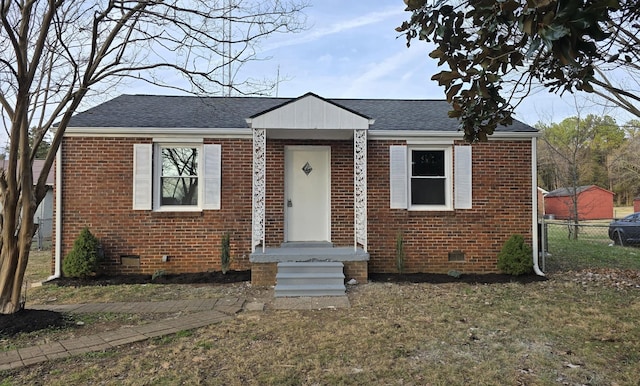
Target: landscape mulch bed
column 214, row 277
column 441, row 278
column 28, row 320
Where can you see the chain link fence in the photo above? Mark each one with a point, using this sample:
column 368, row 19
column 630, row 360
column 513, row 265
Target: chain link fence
column 556, row 235
column 42, row 239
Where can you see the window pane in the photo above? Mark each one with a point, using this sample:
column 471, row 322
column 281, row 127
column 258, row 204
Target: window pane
column 179, row 180
column 427, row 163
column 179, row 162
column 427, row 191
column 179, row 191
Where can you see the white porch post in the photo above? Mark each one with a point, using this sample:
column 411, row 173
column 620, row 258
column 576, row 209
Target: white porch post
column 360, row 188
column 259, row 177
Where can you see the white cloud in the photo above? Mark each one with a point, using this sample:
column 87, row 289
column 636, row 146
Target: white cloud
column 400, row 68
column 315, row 34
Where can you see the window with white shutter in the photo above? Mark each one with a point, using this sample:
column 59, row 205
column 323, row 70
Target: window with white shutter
column 421, row 178
column 176, row 177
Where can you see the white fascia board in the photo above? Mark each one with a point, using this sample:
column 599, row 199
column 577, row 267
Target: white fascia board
column 445, row 135
column 166, row 132
column 177, row 140
column 412, row 134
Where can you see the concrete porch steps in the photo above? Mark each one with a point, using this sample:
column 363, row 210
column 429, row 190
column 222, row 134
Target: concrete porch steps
column 310, row 278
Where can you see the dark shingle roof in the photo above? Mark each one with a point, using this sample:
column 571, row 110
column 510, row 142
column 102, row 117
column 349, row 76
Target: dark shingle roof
column 36, row 169
column 230, row 112
column 564, row 192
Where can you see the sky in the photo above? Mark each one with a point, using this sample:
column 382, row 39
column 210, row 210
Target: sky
column 351, row 50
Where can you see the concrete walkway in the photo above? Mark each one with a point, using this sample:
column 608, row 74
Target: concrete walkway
column 200, row 313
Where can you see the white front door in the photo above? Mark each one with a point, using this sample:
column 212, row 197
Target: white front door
column 307, row 193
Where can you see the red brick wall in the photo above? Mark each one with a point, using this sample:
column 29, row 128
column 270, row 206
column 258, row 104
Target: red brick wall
column 501, row 207
column 97, row 193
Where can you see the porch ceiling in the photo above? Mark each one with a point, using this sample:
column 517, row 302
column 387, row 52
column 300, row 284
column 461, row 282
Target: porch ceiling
column 318, row 134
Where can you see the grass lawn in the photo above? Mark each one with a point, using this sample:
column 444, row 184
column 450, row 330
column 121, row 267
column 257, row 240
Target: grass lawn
column 578, row 327
column 38, row 267
column 592, row 249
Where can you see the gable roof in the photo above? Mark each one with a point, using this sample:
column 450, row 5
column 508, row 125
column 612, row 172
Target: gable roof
column 564, row 192
column 230, row 112
column 36, row 169
column 310, row 112
column 313, row 95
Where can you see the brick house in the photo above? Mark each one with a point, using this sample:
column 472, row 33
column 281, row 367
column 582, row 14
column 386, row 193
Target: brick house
column 160, row 179
column 593, row 203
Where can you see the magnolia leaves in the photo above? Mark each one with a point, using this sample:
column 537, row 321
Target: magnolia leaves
column 485, row 42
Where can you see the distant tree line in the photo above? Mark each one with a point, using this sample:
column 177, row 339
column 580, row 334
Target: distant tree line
column 591, row 150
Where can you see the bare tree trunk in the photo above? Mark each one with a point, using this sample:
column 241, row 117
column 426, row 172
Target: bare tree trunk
column 54, row 52
column 14, row 254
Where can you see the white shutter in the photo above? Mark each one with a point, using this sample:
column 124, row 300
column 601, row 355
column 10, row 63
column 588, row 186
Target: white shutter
column 142, row 176
column 211, row 176
column 398, row 176
column 463, row 177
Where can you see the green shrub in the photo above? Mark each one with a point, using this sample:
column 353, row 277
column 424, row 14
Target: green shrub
column 225, row 253
column 83, row 260
column 158, row 273
column 515, row 258
column 400, row 254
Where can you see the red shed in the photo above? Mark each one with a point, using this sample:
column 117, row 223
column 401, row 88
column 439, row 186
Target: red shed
column 636, row 204
column 594, row 203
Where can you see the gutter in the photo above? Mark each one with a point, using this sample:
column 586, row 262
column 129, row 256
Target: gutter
column 534, row 206
column 58, row 225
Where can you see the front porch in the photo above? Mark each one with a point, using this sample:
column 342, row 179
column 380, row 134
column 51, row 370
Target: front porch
column 309, row 190
column 264, row 262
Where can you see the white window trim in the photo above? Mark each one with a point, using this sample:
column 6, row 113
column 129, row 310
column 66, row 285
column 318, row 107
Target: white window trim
column 157, row 175
column 448, row 168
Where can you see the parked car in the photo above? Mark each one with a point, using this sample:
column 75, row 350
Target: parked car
column 626, row 231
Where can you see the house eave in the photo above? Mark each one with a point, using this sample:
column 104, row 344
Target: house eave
column 182, row 132
column 173, row 132
column 454, row 135
column 249, row 121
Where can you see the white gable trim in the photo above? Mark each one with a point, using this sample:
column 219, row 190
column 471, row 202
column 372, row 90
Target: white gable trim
column 308, row 113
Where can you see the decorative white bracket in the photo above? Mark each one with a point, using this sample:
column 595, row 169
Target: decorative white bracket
column 360, row 187
column 259, row 184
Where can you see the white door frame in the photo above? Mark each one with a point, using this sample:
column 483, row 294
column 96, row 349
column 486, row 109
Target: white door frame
column 287, row 150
